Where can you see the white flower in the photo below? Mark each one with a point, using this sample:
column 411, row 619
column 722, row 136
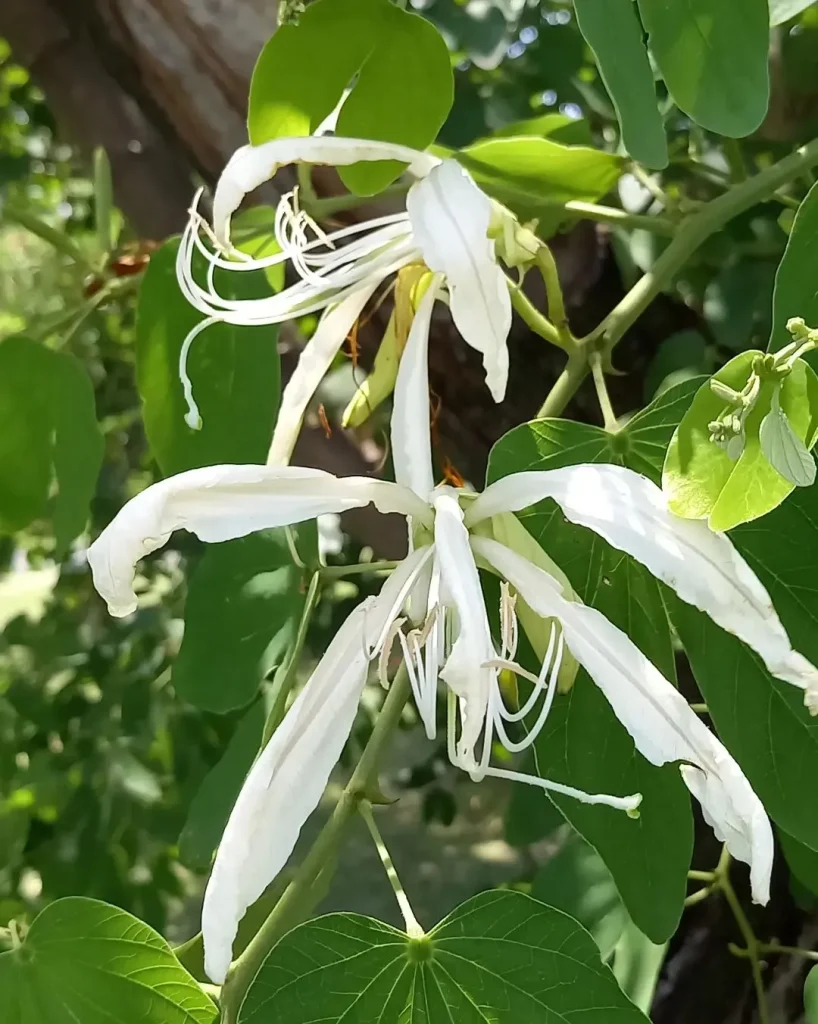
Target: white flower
column 433, row 606
column 446, row 225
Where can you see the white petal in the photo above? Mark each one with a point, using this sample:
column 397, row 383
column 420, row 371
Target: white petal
column 465, row 671
column 450, row 219
column 283, row 788
column 701, row 565
column 222, row 502
column 313, row 364
column 251, row 166
column 410, row 425
column 658, row 718
column 285, row 784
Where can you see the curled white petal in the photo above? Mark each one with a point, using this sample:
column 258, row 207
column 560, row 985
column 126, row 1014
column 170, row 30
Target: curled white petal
column 467, row 671
column 450, row 219
column 285, row 784
column 251, row 166
column 658, row 718
column 701, row 565
column 313, row 364
column 222, row 502
column 410, row 424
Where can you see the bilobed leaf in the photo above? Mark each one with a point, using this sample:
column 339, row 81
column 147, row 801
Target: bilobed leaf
column 242, row 607
column 402, row 92
column 210, row 808
column 536, row 176
column 713, row 57
column 613, row 31
column 801, row 860
column 234, row 371
column 636, row 965
column 49, row 439
column 761, row 720
column 583, row 744
column 83, row 960
column 500, row 956
column 795, row 293
column 700, row 479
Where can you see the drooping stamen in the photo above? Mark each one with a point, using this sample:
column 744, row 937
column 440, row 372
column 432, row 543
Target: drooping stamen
column 193, row 417
column 629, row 804
column 515, row 746
column 508, row 623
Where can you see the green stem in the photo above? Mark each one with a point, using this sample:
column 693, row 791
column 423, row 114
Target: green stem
column 363, row 777
column 698, row 897
column 775, row 947
column 702, row 876
column 338, row 572
column 538, row 323
column 556, row 303
column 413, row 928
column 283, row 685
column 735, row 160
column 565, row 386
column 687, row 238
column 601, row 385
column 56, row 238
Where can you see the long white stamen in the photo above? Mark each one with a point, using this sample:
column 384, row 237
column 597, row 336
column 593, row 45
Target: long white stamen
column 386, row 650
column 400, row 599
column 515, row 746
column 629, row 804
column 192, row 416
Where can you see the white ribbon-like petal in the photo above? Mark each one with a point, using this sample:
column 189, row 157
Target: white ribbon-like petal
column 251, row 166
column 658, row 718
column 285, row 784
column 701, row 565
column 450, row 219
column 465, row 671
column 222, row 502
column 313, row 364
column 410, row 424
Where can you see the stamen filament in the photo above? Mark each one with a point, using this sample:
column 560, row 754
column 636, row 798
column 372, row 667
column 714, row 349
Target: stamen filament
column 629, row 804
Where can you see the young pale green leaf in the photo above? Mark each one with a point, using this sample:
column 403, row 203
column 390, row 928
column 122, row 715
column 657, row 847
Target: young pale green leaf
column 242, row 609
column 395, row 62
column 713, row 57
column 784, row 449
column 583, row 744
column 234, row 371
column 570, row 131
column 83, row 960
column 210, row 808
column 702, row 481
column 795, row 293
column 763, row 721
column 535, row 177
column 499, row 956
column 613, row 31
column 575, row 880
column 50, row 443
column 783, row 10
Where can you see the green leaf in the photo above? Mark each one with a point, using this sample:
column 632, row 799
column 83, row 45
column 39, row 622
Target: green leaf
column 783, row 10
column 801, row 860
column 211, row 807
column 700, row 478
column 570, row 131
column 242, row 608
column 680, row 357
column 500, row 956
column 795, row 293
column 713, row 57
column 737, row 304
column 636, row 965
column 372, row 45
column 583, row 744
column 761, row 720
column 48, row 436
column 83, row 960
column 537, row 176
column 811, row 996
column 576, row 880
column 613, row 31
column 234, row 371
